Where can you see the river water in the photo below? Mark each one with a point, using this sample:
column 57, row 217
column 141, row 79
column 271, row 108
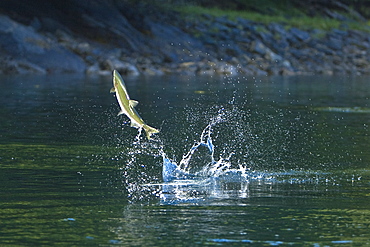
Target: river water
column 260, row 161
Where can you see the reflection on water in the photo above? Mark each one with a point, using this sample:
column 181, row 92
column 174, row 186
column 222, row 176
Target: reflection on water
column 272, row 223
column 344, row 109
column 264, row 161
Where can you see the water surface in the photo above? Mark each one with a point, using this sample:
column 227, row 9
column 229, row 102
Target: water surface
column 292, row 153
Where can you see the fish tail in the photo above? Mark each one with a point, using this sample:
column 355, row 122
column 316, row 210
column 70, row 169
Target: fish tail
column 149, row 130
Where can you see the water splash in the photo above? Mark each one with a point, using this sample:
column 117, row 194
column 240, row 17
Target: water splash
column 212, row 167
column 203, row 170
column 223, row 163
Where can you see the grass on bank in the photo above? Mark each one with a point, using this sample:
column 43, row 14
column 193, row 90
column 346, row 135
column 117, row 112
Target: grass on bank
column 292, row 17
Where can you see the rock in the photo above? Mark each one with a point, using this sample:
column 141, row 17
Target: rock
column 286, row 71
column 206, row 71
column 258, row 47
column 272, row 56
column 280, row 46
column 220, row 28
column 361, row 62
column 208, row 40
column 226, row 69
column 34, row 51
column 335, row 44
column 122, row 67
column 299, row 34
column 266, row 37
column 93, row 69
column 224, row 20
column 150, row 70
column 138, row 38
column 321, row 47
column 340, row 33
column 277, row 29
column 10, row 66
column 244, row 22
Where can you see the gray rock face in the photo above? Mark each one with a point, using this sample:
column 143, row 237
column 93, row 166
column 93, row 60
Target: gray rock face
column 97, row 36
column 24, row 49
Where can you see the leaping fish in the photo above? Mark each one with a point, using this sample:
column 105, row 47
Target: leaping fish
column 128, row 105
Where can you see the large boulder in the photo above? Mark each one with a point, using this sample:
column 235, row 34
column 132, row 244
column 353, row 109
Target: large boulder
column 23, row 49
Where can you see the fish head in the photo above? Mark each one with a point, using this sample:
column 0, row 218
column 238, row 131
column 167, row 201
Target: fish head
column 119, row 85
column 117, row 80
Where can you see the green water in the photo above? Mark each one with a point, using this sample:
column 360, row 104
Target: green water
column 73, row 173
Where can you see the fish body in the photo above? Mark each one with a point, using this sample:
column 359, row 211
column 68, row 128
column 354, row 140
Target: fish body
column 128, row 105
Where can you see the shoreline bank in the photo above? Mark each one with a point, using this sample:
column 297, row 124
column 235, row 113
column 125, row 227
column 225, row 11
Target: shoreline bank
column 100, row 36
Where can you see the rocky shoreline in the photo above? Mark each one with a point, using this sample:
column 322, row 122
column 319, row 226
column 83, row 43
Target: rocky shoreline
column 95, row 37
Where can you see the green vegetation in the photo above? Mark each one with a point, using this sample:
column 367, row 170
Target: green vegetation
column 288, row 12
column 303, row 21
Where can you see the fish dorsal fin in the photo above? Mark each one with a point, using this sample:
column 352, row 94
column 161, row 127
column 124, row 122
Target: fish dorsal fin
column 112, row 90
column 133, row 103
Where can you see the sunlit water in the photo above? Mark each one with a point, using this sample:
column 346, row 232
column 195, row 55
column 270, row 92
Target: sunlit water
column 238, row 161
